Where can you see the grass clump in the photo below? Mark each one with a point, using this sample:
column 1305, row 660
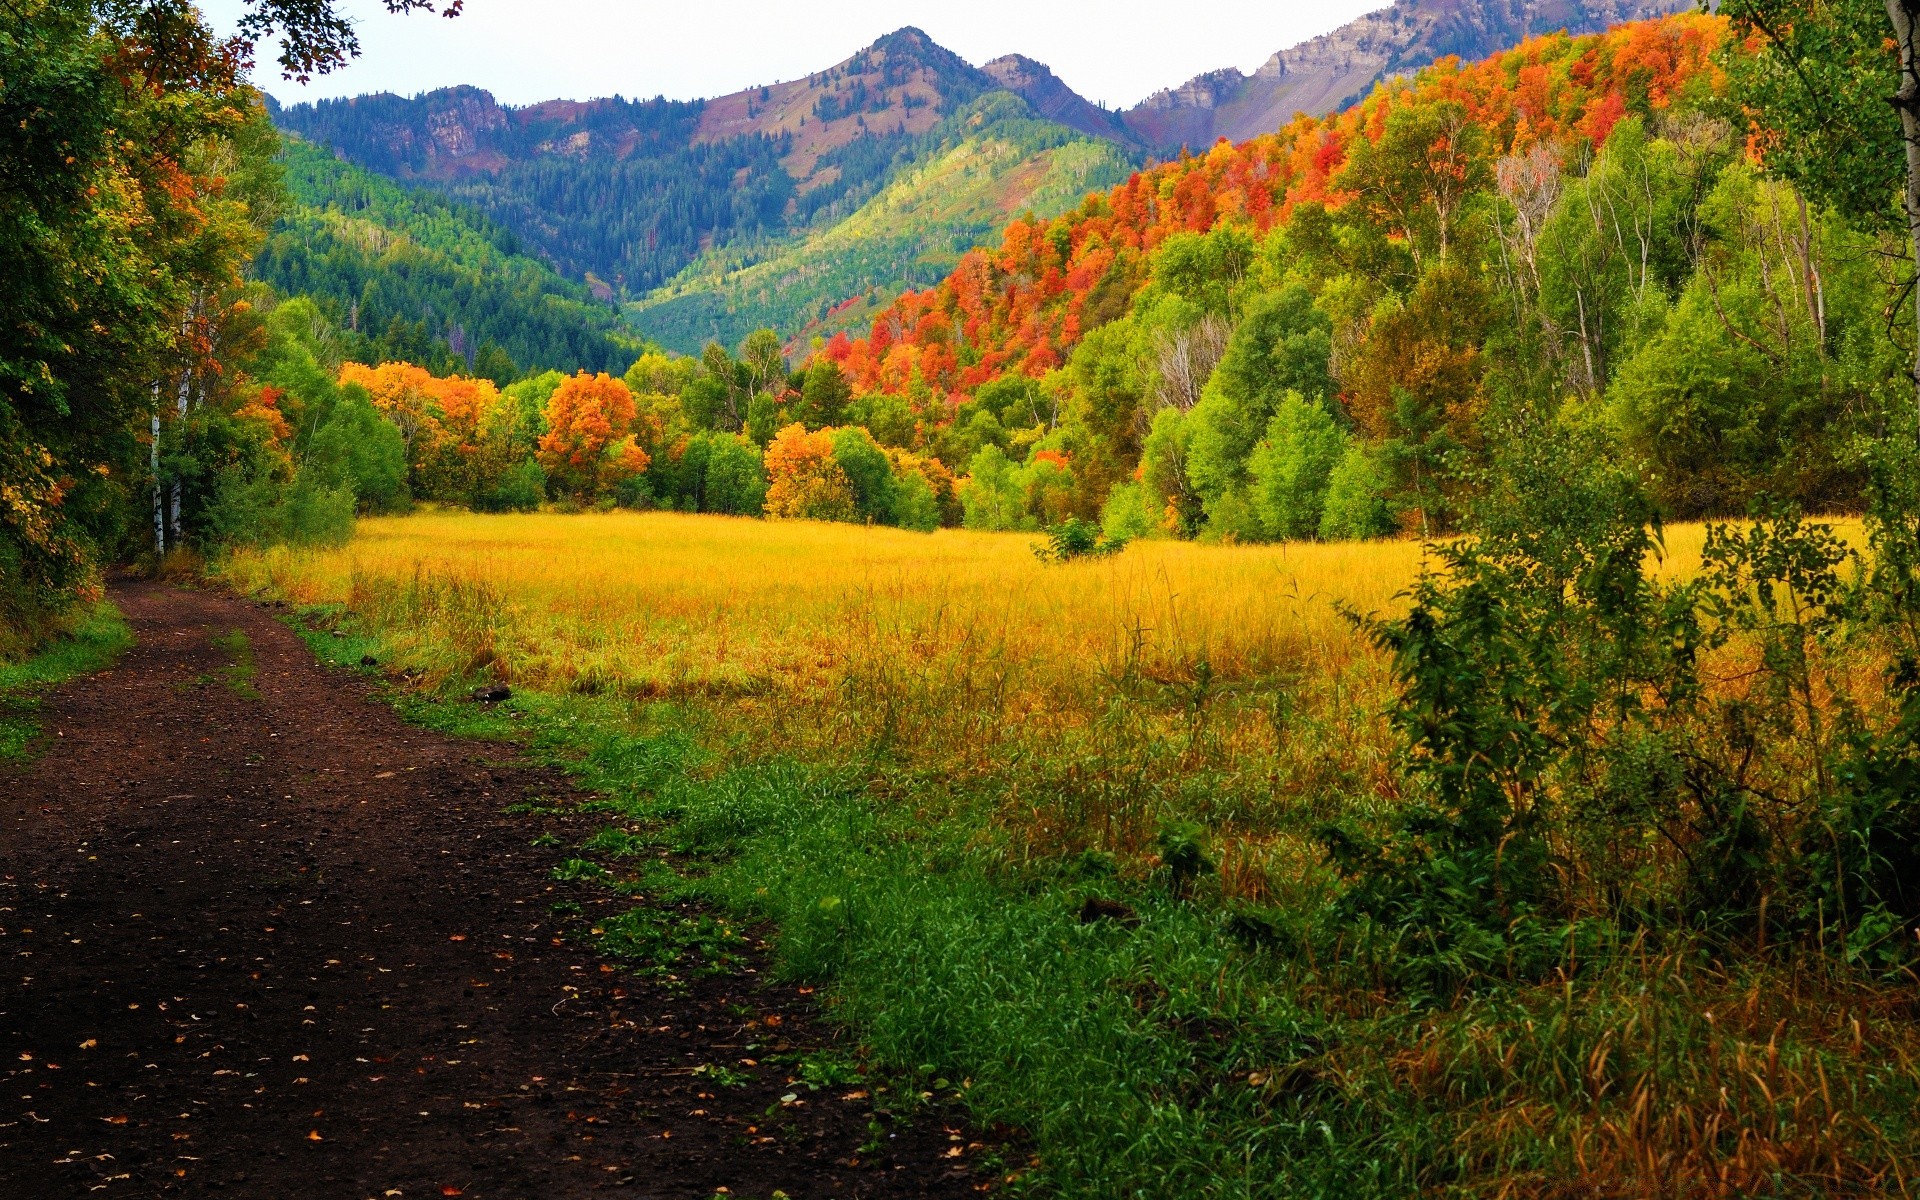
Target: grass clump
column 240, row 671
column 93, row 641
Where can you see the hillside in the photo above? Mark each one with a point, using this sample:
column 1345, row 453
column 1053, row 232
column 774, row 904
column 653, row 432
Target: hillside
column 425, row 278
column 1020, row 308
column 985, row 165
column 1332, row 71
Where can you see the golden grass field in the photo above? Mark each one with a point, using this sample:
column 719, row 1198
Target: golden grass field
column 960, row 653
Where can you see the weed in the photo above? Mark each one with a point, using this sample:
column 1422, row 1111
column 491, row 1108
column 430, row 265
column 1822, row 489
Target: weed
column 668, row 945
column 576, row 870
column 240, row 671
column 720, row 1076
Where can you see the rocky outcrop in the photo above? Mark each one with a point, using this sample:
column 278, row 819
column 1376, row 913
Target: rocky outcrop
column 1331, row 71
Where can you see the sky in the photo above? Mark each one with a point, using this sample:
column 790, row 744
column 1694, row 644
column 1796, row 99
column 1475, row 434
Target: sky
column 1116, row 51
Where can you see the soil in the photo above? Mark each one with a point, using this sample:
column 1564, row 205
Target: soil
column 263, row 939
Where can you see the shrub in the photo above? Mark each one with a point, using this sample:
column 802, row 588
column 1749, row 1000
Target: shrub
column 1356, row 498
column 520, row 488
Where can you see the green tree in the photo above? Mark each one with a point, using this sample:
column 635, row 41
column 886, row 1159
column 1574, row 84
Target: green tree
column 358, row 448
column 868, row 471
column 1820, row 92
column 1291, row 467
column 824, row 394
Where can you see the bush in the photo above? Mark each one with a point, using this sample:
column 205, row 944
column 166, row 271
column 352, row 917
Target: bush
column 1128, row 513
column 520, row 488
column 258, row 509
column 1074, row 538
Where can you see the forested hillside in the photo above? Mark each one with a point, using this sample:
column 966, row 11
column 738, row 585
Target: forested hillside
column 427, row 280
column 626, row 193
column 1320, row 331
column 949, row 190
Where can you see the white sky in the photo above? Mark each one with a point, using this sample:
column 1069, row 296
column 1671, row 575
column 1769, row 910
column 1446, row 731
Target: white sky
column 1117, row 51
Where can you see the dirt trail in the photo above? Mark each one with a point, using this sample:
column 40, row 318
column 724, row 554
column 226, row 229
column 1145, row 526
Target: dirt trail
column 276, row 943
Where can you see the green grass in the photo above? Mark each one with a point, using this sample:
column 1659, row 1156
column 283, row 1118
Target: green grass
column 1202, row 1050
column 97, row 638
column 240, row 670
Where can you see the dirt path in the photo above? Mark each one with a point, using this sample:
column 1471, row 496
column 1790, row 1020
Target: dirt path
column 278, row 944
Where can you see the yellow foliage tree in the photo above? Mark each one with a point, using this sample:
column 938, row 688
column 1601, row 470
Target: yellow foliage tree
column 803, row 480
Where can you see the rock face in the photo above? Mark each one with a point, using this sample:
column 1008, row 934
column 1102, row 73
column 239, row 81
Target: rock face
column 1335, row 69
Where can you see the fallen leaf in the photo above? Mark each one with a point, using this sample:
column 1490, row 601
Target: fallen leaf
column 954, row 1152
column 314, row 1136
column 450, row 1190
column 89, row 1044
column 384, row 775
column 456, row 937
column 114, row 1120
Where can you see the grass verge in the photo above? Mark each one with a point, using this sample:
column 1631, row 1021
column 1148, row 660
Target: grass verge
column 96, row 639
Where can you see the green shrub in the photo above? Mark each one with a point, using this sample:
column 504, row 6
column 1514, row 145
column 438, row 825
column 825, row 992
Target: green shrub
column 1356, row 498
column 520, row 488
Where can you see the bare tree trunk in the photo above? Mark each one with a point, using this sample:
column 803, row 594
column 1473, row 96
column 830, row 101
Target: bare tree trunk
column 1905, row 17
column 159, row 506
column 176, row 527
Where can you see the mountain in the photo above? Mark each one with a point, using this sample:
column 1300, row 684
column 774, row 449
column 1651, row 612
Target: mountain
column 986, row 164
column 1329, row 72
column 625, row 193
column 1017, row 309
column 426, row 279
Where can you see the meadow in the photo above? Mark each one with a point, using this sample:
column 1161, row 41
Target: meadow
column 928, row 758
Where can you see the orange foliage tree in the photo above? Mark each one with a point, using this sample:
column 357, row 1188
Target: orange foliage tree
column 442, row 422
column 804, row 482
column 590, row 446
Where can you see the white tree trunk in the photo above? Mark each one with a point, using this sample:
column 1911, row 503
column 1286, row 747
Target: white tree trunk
column 159, row 506
column 1905, row 18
